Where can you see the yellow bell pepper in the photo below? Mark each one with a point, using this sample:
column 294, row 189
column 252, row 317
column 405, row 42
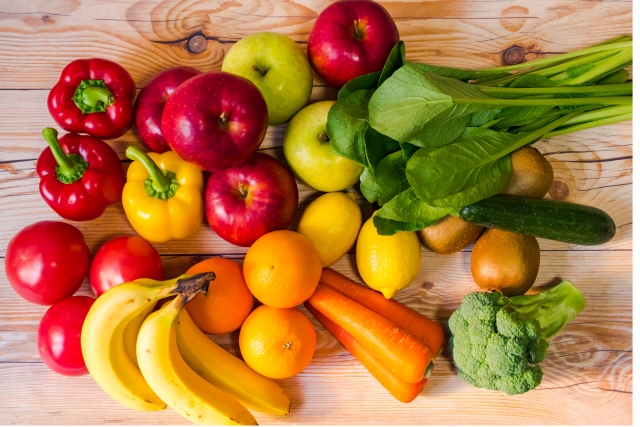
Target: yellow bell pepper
column 163, row 195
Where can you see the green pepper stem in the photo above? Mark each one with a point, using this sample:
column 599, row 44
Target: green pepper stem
column 94, row 94
column 159, row 181
column 69, row 169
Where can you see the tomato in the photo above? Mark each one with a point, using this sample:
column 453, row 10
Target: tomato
column 59, row 335
column 124, row 259
column 47, row 261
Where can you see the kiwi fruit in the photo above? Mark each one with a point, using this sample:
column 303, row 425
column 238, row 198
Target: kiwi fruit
column 450, row 234
column 505, row 261
column 531, row 174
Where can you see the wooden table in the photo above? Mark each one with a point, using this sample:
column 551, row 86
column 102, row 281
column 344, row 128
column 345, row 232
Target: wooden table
column 587, row 376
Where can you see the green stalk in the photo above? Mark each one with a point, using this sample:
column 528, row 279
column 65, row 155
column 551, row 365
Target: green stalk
column 605, row 100
column 93, row 96
column 546, row 71
column 589, row 125
column 601, row 113
column 70, row 167
column 160, row 184
column 604, row 67
column 562, row 57
column 617, row 89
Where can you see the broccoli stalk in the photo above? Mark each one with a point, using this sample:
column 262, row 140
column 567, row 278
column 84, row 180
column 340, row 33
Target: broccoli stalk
column 553, row 308
column 496, row 342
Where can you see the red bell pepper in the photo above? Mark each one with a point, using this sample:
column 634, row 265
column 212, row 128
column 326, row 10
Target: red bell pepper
column 93, row 96
column 79, row 175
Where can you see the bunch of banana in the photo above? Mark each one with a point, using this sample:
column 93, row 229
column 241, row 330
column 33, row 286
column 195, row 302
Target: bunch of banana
column 144, row 360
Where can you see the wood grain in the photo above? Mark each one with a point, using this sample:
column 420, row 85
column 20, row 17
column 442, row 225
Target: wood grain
column 588, row 371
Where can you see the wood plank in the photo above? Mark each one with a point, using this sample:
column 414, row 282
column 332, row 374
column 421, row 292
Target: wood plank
column 587, row 370
column 147, row 37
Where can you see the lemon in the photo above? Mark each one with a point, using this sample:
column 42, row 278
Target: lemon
column 387, row 263
column 332, row 222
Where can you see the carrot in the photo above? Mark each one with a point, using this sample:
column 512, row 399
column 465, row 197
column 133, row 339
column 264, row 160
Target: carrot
column 405, row 355
column 403, row 391
column 416, row 324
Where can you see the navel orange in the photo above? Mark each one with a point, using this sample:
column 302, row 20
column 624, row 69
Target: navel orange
column 277, row 342
column 282, row 269
column 226, row 304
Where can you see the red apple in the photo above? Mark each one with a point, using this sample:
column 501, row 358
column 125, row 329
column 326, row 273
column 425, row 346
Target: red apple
column 248, row 201
column 351, row 38
column 150, row 105
column 215, row 120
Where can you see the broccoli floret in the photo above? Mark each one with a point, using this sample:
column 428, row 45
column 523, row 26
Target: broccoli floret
column 496, row 342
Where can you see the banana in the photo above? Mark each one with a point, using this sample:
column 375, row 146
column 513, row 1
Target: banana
column 130, row 334
column 174, row 381
column 226, row 371
column 103, row 342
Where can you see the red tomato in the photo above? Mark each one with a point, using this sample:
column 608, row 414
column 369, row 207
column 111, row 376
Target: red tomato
column 59, row 335
column 124, row 259
column 47, row 261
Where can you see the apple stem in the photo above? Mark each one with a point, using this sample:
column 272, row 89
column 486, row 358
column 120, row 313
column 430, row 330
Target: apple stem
column 323, row 137
column 244, row 193
column 357, row 32
column 260, row 70
column 223, row 117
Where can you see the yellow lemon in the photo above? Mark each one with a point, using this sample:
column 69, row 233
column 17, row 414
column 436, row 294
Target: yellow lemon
column 332, row 222
column 387, row 263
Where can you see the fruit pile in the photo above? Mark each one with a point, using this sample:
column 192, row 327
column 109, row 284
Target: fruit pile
column 144, row 339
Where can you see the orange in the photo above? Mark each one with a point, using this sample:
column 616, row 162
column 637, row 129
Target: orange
column 277, row 342
column 282, row 269
column 226, row 303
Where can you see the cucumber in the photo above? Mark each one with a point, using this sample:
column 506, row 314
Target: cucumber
column 564, row 222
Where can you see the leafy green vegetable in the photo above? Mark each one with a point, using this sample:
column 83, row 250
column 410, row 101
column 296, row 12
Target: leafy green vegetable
column 497, row 342
column 377, row 146
column 406, row 212
column 408, row 150
column 470, row 169
column 346, row 124
column 393, row 62
column 366, row 81
column 390, row 177
column 368, row 185
column 532, row 80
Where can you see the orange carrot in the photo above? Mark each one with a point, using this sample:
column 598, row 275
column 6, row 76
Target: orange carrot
column 413, row 322
column 403, row 391
column 405, row 355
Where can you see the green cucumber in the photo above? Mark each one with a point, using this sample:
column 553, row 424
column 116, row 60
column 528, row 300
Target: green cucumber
column 548, row 219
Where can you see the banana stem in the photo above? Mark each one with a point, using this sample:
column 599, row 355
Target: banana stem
column 189, row 286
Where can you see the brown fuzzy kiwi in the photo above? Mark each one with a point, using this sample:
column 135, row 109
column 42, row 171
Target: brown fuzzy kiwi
column 505, row 261
column 531, row 174
column 450, row 234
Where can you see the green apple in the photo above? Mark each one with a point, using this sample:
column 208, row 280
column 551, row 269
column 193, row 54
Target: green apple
column 279, row 68
column 309, row 154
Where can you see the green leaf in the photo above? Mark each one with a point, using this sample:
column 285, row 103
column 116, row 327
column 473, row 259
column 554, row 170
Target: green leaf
column 442, row 129
column 394, row 61
column 346, row 125
column 533, row 80
column 406, row 103
column 470, row 169
column 482, row 117
column 378, row 146
column 368, row 185
column 519, row 116
column 366, row 81
column 391, row 179
column 406, row 212
column 457, row 73
column 408, row 150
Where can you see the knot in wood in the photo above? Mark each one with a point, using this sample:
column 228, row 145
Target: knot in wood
column 559, row 190
column 513, row 55
column 46, row 18
column 197, row 44
column 427, row 285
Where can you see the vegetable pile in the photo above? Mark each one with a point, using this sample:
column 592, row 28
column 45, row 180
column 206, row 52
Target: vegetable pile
column 435, row 139
column 496, row 342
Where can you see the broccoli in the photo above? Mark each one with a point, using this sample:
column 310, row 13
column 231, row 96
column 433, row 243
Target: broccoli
column 496, row 341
